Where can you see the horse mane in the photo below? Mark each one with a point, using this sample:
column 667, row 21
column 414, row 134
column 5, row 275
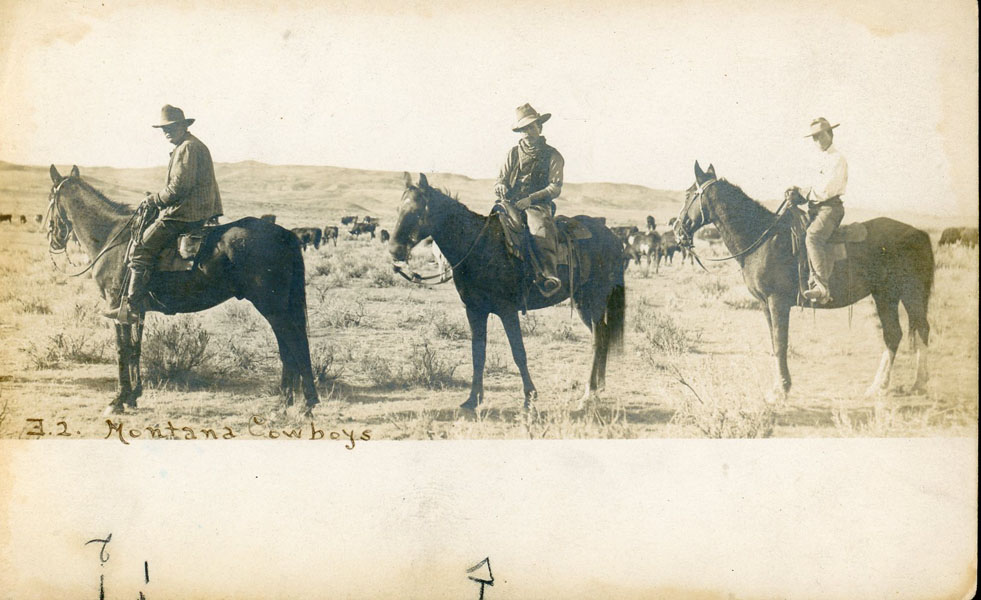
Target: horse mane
column 451, row 196
column 747, row 214
column 117, row 207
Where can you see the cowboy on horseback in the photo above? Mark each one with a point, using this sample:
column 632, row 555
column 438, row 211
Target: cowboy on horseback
column 189, row 199
column 529, row 181
column 824, row 207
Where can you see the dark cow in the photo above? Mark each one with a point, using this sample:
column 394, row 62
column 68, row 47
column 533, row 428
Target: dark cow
column 307, row 236
column 624, row 231
column 330, row 233
column 6, row 218
column 950, row 236
column 383, row 235
column 351, row 220
column 646, row 245
column 969, row 237
column 23, row 219
column 651, row 223
column 371, row 220
column 269, row 218
column 38, row 219
column 360, row 228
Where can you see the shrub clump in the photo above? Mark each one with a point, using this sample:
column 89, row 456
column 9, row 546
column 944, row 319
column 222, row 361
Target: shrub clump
column 174, row 350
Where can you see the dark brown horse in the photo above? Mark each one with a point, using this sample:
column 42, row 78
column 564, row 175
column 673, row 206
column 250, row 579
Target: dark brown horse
column 894, row 264
column 249, row 258
column 489, row 280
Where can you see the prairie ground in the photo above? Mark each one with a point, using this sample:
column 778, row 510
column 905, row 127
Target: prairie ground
column 393, row 359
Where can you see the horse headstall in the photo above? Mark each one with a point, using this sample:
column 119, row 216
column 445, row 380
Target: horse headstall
column 694, row 193
column 59, row 225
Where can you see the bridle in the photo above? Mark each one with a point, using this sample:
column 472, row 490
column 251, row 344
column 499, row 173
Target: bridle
column 60, row 229
column 413, row 238
column 689, row 244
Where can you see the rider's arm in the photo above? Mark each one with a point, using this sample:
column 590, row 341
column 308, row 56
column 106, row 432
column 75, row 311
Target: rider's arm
column 503, row 184
column 551, row 191
column 180, row 179
column 831, row 179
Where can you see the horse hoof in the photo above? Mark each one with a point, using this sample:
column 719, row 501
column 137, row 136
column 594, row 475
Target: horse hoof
column 530, row 396
column 875, row 391
column 113, row 409
column 586, row 399
column 776, row 396
column 470, row 405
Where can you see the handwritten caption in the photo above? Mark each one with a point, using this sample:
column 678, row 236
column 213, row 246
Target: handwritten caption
column 258, row 427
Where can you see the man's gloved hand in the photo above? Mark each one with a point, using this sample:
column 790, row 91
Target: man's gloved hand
column 524, row 203
column 794, row 196
column 148, row 203
column 501, row 191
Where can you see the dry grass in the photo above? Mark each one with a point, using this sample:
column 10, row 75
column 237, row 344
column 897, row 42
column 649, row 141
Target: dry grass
column 395, row 358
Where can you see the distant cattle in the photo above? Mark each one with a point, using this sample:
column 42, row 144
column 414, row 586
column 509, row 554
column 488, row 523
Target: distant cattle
column 372, row 220
column 330, row 233
column 308, row 236
column 623, row 232
column 269, row 218
column 360, row 228
column 646, row 245
column 23, row 219
column 38, row 219
column 350, row 220
column 6, row 218
column 966, row 236
column 384, row 236
column 651, row 223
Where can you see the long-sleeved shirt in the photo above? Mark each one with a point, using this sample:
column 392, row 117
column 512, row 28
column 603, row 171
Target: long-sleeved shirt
column 191, row 193
column 522, row 176
column 830, row 176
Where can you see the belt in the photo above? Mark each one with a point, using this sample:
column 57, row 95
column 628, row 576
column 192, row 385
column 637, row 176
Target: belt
column 831, row 200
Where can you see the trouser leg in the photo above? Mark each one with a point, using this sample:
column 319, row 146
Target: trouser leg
column 543, row 235
column 825, row 220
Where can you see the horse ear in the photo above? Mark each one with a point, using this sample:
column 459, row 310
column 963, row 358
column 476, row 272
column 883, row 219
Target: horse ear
column 699, row 174
column 711, row 171
column 74, row 171
column 55, row 175
column 423, row 182
column 408, row 179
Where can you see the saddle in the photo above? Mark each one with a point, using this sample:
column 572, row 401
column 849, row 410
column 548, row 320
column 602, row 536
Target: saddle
column 852, row 233
column 569, row 230
column 183, row 256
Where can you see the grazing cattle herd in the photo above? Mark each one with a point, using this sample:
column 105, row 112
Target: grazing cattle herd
column 966, row 236
column 22, row 219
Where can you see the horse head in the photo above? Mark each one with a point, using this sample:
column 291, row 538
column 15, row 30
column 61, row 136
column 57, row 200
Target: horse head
column 697, row 210
column 59, row 224
column 413, row 223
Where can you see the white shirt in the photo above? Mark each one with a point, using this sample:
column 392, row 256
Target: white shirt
column 830, row 176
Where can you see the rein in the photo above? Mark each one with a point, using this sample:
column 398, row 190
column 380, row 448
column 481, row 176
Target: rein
column 61, row 223
column 420, row 279
column 691, row 245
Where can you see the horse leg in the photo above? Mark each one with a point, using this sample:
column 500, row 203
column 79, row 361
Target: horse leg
column 512, row 327
column 478, row 349
column 288, row 381
column 919, row 331
column 136, row 351
column 778, row 317
column 122, row 366
column 892, row 333
column 601, row 347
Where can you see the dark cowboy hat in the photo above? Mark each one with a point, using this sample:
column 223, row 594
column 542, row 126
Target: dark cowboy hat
column 820, row 124
column 525, row 115
column 171, row 115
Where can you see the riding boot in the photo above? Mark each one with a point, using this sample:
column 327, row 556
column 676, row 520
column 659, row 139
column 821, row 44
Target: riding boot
column 547, row 254
column 132, row 303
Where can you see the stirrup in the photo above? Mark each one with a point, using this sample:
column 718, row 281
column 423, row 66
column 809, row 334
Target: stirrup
column 549, row 286
column 818, row 294
column 123, row 313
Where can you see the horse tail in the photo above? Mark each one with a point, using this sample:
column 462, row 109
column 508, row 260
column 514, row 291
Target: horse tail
column 297, row 298
column 924, row 265
column 616, row 310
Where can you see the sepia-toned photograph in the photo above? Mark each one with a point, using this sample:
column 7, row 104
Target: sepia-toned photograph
column 323, row 227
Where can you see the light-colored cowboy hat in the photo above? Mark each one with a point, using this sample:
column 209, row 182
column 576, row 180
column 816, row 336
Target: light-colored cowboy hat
column 820, row 124
column 171, row 115
column 525, row 115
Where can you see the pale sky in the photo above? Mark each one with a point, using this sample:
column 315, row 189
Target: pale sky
column 638, row 91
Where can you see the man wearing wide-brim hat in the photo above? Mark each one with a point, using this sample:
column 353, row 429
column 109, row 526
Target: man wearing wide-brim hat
column 188, row 200
column 530, row 180
column 824, row 207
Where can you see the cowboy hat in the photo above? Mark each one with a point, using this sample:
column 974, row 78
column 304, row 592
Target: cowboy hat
column 525, row 115
column 820, row 124
column 171, row 115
